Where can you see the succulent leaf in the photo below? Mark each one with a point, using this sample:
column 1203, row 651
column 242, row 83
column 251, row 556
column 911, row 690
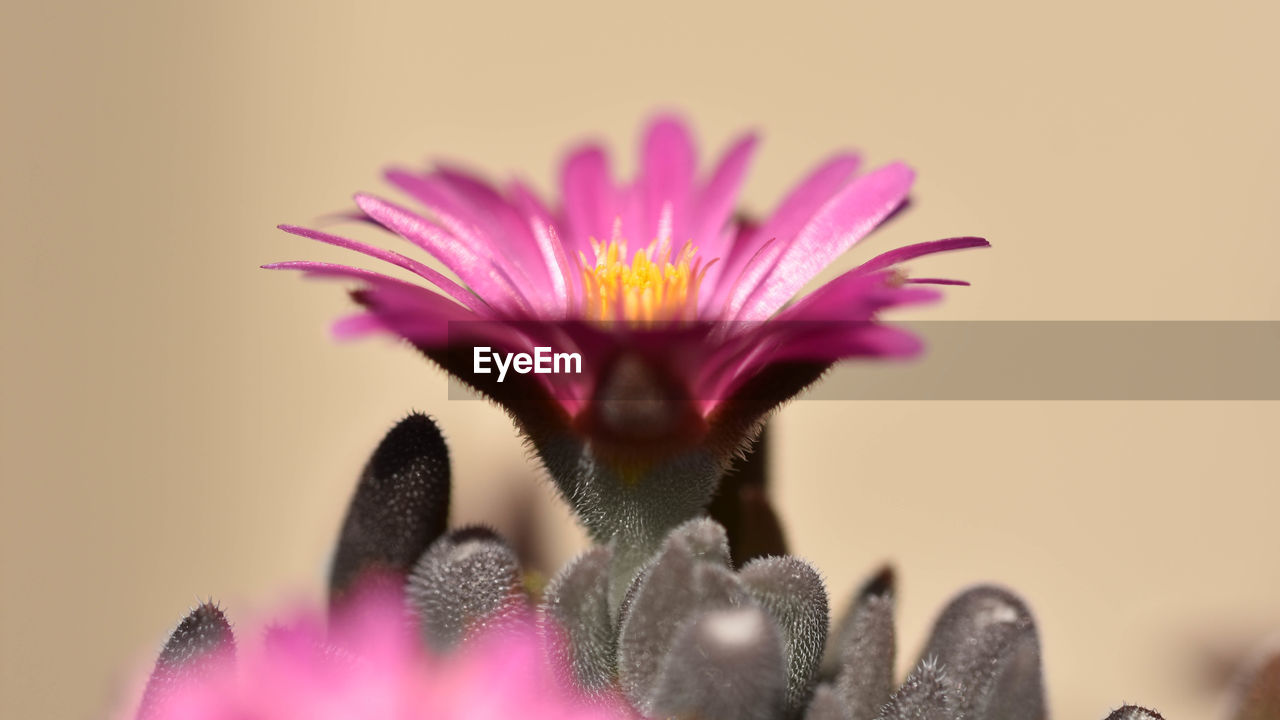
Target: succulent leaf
column 863, row 649
column 466, row 581
column 400, row 506
column 689, row 575
column 928, row 693
column 1135, row 712
column 826, row 705
column 201, row 644
column 724, row 665
column 577, row 602
column 631, row 505
column 986, row 640
column 793, row 594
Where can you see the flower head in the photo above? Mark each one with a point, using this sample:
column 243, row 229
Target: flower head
column 658, row 271
column 680, row 314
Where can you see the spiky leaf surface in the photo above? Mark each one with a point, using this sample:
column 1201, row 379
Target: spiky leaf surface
column 928, row 693
column 201, row 644
column 400, row 505
column 866, row 648
column 468, row 580
column 986, row 641
column 794, row 596
column 1135, row 712
column 576, row 602
column 724, row 665
column 689, row 575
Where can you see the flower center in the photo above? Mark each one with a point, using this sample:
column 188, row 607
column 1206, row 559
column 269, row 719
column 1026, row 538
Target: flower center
column 656, row 286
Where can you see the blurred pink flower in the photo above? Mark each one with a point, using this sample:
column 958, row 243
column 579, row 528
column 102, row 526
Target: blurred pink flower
column 370, row 665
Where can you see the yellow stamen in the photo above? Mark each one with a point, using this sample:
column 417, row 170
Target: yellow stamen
column 656, row 286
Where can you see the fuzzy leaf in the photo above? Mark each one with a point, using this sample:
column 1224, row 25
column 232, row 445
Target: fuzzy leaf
column 861, row 656
column 928, row 693
column 400, row 506
column 879, row 585
column 577, row 601
column 1135, row 712
column 689, row 575
column 634, row 509
column 826, row 705
column 699, row 539
column 986, row 640
column 201, row 644
column 468, row 580
column 724, row 665
column 793, row 594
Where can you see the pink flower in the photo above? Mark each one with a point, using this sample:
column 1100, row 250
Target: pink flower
column 652, row 282
column 371, row 666
column 681, row 315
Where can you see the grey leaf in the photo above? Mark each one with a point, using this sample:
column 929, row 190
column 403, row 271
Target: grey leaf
column 865, row 678
column 688, row 575
column 400, row 506
column 986, row 639
column 633, row 507
column 862, row 655
column 724, row 665
column 202, row 643
column 879, row 585
column 793, row 594
column 1135, row 712
column 576, row 601
column 927, row 694
column 468, row 580
column 826, row 705
column 698, row 539
column 657, row 618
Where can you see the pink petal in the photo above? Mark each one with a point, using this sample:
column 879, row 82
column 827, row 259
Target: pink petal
column 842, row 222
column 477, row 228
column 717, row 199
column 590, row 201
column 561, row 269
column 500, row 218
column 854, row 296
column 527, row 202
column 333, row 270
column 822, row 343
column 667, row 165
column 451, row 288
column 482, row 276
column 910, row 252
column 405, row 316
column 736, row 285
column 424, row 312
column 354, row 327
column 793, row 212
column 443, row 203
column 834, row 343
column 560, row 272
column 936, row 281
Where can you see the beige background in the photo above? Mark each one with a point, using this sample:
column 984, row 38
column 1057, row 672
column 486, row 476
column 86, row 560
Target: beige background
column 178, row 423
